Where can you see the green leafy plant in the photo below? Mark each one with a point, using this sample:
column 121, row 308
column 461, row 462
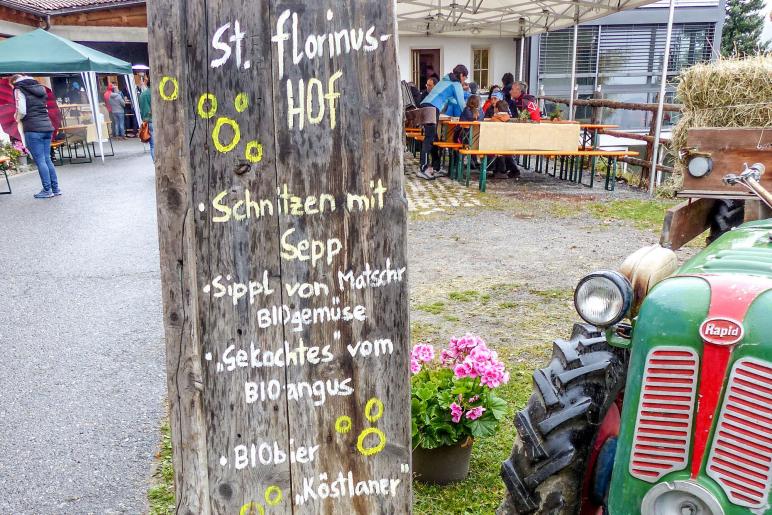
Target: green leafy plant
column 556, row 114
column 8, row 150
column 453, row 398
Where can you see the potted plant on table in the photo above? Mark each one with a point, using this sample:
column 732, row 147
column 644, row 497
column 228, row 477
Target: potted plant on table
column 453, row 402
column 8, row 150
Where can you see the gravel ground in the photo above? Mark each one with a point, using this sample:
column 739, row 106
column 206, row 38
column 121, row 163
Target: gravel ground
column 82, row 379
column 517, row 252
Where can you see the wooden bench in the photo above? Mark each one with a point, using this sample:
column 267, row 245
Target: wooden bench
column 56, row 146
column 4, row 160
column 611, row 155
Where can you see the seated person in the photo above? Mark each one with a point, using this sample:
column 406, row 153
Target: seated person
column 492, row 99
column 504, row 164
column 471, row 113
column 525, row 102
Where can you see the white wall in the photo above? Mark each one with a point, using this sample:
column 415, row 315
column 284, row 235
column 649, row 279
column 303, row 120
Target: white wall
column 454, row 50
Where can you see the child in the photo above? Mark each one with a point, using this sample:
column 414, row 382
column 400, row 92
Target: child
column 493, row 97
column 504, row 164
column 471, row 113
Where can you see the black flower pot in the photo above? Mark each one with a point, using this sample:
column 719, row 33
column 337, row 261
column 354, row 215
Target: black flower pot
column 443, row 465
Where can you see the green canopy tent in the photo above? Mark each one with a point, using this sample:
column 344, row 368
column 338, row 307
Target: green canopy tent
column 41, row 53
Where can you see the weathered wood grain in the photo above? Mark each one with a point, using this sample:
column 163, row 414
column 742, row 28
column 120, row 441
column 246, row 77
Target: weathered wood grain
column 178, row 265
column 685, row 222
column 365, row 146
column 210, row 412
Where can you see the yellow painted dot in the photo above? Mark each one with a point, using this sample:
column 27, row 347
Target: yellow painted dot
column 369, row 451
column 202, row 101
column 378, row 405
column 252, row 508
column 343, row 424
column 216, row 134
column 242, row 102
column 273, row 495
column 162, row 88
column 254, row 152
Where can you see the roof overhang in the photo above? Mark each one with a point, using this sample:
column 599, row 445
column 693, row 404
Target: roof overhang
column 20, row 6
column 501, row 18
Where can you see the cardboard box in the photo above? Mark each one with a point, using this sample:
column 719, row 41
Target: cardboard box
column 559, row 137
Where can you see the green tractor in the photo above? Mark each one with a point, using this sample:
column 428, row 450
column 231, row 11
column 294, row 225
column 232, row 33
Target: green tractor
column 669, row 412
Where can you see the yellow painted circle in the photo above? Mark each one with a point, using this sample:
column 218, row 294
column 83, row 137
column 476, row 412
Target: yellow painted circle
column 369, row 451
column 202, row 100
column 242, row 102
column 175, row 88
column 343, row 424
column 273, row 495
column 252, row 508
column 373, row 403
column 216, row 134
column 254, row 152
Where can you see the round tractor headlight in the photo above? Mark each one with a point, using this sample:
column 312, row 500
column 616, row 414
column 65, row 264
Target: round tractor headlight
column 700, row 166
column 603, row 298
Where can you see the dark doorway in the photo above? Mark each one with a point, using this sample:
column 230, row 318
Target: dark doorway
column 426, row 63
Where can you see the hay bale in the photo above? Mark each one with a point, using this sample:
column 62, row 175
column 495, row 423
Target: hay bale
column 724, row 93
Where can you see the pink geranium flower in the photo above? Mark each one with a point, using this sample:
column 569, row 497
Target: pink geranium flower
column 423, row 352
column 456, row 412
column 475, row 413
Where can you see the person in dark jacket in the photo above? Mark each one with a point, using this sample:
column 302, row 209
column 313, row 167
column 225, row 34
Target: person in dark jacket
column 525, row 102
column 31, row 111
column 508, row 81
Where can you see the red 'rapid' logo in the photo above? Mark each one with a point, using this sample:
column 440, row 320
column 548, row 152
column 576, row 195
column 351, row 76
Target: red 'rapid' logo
column 721, row 331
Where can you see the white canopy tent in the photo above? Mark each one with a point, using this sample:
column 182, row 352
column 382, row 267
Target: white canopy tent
column 495, row 18
column 521, row 19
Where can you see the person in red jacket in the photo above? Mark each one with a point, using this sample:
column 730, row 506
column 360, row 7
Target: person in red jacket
column 524, row 101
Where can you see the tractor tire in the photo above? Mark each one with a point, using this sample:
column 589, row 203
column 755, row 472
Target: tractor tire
column 726, row 215
column 557, row 428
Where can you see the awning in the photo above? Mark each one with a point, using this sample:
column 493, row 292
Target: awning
column 510, row 18
column 42, row 53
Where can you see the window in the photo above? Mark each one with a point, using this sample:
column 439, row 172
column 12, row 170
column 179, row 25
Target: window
column 480, row 67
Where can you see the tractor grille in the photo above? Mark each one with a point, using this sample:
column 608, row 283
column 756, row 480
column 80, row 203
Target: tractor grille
column 741, row 458
column 663, row 428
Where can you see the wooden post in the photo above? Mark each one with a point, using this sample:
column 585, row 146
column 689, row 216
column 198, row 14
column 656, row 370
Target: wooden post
column 282, row 227
column 597, row 111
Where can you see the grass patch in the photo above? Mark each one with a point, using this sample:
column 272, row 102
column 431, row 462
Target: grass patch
column 555, row 294
column 451, row 318
column 464, row 296
column 507, row 305
column 435, row 308
column 644, row 214
column 421, row 331
column 161, row 494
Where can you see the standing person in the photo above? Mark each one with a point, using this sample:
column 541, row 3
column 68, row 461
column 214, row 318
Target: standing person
column 117, row 109
column 146, row 113
column 31, row 111
column 447, row 95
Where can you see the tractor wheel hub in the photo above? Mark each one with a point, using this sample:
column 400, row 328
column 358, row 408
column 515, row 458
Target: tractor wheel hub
column 680, row 498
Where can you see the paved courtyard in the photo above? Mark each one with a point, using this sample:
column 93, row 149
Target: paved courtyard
column 82, row 381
